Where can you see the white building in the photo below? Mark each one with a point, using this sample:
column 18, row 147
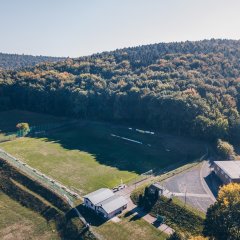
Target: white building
column 227, row 171
column 105, row 203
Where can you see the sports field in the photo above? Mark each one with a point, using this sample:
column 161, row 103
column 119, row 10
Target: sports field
column 18, row 222
column 88, row 156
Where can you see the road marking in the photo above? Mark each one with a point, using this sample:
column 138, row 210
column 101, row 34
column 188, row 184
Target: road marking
column 191, row 195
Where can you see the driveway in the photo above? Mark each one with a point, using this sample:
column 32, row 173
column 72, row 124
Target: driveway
column 191, row 187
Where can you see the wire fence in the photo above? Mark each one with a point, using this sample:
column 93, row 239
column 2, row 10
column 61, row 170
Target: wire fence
column 33, row 173
column 39, row 130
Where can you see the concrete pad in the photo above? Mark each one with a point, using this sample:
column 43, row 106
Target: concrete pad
column 115, row 219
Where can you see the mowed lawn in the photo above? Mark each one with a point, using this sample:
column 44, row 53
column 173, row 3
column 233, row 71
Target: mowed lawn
column 87, row 156
column 18, row 222
column 73, row 168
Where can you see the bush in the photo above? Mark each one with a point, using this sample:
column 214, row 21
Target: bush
column 23, row 128
column 224, row 148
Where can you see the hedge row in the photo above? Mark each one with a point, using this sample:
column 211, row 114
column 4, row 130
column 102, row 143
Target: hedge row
column 180, row 218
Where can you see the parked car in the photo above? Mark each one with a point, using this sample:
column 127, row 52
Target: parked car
column 115, row 189
column 122, row 186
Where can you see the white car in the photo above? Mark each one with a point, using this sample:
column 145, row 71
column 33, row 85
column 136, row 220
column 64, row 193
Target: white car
column 115, row 189
column 122, row 186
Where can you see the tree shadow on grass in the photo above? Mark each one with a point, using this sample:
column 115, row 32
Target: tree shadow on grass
column 96, row 139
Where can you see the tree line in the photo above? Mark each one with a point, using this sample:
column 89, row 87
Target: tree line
column 189, row 88
column 17, row 61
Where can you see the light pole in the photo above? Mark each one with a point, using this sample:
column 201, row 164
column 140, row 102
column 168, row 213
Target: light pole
column 185, row 197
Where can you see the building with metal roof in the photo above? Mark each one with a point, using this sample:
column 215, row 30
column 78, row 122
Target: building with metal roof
column 99, row 195
column 105, row 203
column 112, row 206
column 227, row 171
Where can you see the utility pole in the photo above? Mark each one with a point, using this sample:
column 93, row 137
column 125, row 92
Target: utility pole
column 185, row 198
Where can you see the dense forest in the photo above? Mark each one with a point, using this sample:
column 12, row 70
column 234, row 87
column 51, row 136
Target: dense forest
column 189, row 88
column 16, row 61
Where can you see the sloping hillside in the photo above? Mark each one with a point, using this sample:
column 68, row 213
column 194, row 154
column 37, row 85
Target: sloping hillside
column 186, row 87
column 16, row 61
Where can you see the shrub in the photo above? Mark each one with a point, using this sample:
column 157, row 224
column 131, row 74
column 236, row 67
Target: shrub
column 224, row 148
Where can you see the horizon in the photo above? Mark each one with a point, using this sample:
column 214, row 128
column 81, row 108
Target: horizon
column 230, row 39
column 82, row 28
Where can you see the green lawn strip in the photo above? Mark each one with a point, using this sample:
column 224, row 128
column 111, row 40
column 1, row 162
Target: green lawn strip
column 71, row 167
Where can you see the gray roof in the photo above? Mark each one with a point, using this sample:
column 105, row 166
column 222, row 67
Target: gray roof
column 231, row 168
column 99, row 195
column 158, row 185
column 113, row 203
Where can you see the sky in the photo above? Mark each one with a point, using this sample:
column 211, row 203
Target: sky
column 81, row 27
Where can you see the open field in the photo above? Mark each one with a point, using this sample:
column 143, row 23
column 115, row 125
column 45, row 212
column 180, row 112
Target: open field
column 18, row 222
column 87, row 156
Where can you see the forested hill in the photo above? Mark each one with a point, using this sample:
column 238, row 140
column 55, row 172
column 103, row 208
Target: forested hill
column 16, row 61
column 186, row 87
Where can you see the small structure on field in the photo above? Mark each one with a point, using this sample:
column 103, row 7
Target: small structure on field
column 105, row 203
column 156, row 187
column 227, row 171
column 160, row 189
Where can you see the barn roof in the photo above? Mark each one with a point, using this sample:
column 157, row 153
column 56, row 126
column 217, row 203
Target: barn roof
column 113, row 203
column 99, row 195
column 231, row 168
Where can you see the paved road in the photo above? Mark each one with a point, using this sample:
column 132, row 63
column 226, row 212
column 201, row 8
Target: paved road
column 191, row 186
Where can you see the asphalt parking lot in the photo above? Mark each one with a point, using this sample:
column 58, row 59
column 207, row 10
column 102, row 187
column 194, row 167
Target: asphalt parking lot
column 190, row 186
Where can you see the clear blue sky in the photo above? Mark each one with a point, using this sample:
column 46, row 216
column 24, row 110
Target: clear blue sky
column 81, row 27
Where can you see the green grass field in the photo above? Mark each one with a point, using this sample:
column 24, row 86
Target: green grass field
column 87, row 157
column 18, row 222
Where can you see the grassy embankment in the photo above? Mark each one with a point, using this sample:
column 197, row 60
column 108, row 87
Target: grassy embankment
column 18, row 222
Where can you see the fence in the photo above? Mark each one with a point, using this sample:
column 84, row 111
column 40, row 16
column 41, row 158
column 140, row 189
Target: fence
column 8, row 137
column 40, row 177
column 33, row 131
